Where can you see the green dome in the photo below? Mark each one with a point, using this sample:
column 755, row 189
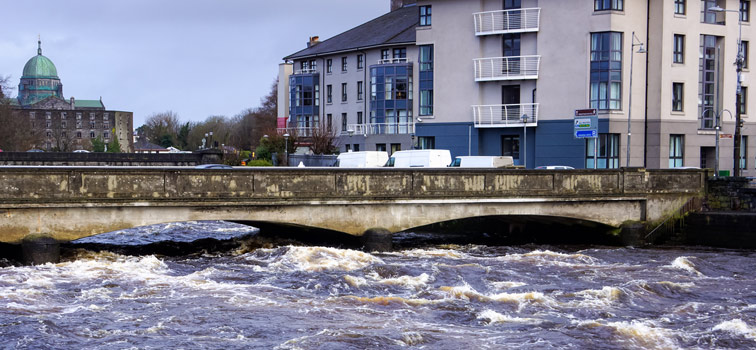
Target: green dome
column 40, row 66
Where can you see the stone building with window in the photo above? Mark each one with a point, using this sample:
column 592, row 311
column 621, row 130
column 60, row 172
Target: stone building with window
column 66, row 124
column 505, row 77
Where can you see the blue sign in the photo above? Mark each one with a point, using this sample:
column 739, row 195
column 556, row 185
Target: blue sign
column 583, row 134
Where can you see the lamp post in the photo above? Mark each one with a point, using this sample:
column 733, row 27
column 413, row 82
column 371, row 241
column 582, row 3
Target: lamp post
column 630, row 94
column 739, row 62
column 525, row 140
column 286, row 148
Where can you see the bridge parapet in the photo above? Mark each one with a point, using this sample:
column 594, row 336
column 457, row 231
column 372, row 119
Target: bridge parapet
column 83, row 184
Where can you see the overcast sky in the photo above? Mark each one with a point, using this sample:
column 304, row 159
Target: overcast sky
column 195, row 57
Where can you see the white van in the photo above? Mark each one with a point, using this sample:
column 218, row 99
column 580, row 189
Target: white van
column 483, row 162
column 367, row 159
column 427, row 158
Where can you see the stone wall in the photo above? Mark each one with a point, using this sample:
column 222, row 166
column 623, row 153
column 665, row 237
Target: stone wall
column 108, row 159
column 730, row 193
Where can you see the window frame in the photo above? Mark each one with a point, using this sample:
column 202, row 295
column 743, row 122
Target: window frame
column 344, row 92
column 360, row 61
column 608, row 5
column 329, row 66
column 676, row 150
column 329, row 93
column 743, row 108
column 680, row 7
column 678, row 48
column 360, row 90
column 608, row 151
column 678, row 97
column 343, row 64
column 426, row 19
column 606, row 62
column 744, row 11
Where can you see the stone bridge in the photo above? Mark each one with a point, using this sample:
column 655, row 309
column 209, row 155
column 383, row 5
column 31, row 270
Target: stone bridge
column 68, row 203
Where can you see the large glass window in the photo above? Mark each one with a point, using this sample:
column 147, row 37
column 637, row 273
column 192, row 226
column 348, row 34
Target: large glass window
column 304, row 94
column 425, row 15
column 426, row 142
column 601, row 5
column 391, row 98
column 426, row 80
column 606, row 71
column 510, row 146
column 708, row 16
column 680, row 7
column 676, row 150
column 677, row 97
column 678, row 51
column 707, row 81
column 608, row 152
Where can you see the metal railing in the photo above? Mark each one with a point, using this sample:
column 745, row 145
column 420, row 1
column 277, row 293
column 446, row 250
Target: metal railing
column 393, row 60
column 306, row 71
column 507, row 21
column 299, row 131
column 380, row 128
column 504, row 116
column 507, row 68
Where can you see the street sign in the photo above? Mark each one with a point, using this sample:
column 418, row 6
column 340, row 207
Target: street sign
column 585, row 112
column 725, row 136
column 585, row 124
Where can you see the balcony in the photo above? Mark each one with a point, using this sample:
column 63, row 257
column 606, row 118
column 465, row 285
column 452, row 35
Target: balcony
column 381, row 129
column 507, row 21
column 507, row 68
column 505, row 116
column 298, row 131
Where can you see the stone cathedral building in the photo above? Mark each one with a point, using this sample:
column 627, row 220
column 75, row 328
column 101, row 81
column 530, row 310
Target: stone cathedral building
column 67, row 124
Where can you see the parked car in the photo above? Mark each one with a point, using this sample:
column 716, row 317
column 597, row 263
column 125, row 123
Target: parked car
column 482, row 162
column 213, row 166
column 426, row 158
column 80, row 151
column 35, row 150
column 367, row 159
column 554, row 167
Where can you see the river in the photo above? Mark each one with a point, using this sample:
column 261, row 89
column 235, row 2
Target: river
column 438, row 296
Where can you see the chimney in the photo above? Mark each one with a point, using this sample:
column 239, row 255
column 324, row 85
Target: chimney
column 314, row 40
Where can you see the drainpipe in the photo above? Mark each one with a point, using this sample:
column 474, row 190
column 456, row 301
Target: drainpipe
column 365, row 88
column 645, row 115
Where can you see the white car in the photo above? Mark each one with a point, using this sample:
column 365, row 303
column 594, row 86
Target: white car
column 555, row 167
column 80, row 151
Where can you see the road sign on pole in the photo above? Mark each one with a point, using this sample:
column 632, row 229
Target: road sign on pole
column 586, row 127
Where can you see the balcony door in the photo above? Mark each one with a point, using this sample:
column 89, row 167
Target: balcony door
column 510, row 98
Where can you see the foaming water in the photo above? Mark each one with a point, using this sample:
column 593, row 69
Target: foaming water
column 439, row 297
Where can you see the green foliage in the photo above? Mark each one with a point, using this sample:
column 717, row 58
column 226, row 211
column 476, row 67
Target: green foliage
column 98, row 144
column 259, row 162
column 114, row 146
column 245, row 154
column 166, row 140
column 263, row 152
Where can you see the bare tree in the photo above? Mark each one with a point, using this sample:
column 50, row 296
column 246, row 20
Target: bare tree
column 251, row 124
column 323, row 140
column 162, row 128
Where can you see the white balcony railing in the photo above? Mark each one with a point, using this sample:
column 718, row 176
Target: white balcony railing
column 505, row 116
column 299, row 131
column 306, row 71
column 507, row 21
column 380, row 129
column 507, row 68
column 393, row 61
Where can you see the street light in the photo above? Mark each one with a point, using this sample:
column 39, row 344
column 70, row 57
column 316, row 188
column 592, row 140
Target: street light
column 525, row 140
column 739, row 62
column 630, row 99
column 286, row 148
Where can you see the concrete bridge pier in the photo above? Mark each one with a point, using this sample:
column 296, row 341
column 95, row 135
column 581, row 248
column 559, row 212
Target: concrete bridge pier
column 40, row 249
column 633, row 234
column 377, row 239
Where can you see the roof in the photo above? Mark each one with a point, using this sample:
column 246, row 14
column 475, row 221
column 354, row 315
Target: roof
column 88, row 104
column 40, row 66
column 396, row 27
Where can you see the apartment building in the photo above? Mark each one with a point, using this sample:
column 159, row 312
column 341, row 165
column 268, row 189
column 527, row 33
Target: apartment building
column 505, row 77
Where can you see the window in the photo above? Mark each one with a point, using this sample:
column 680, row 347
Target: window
column 302, row 66
column 608, row 152
column 91, row 134
column 49, row 134
column 426, row 79
column 48, row 115
column 63, row 124
column 343, row 122
column 356, row 147
column 680, row 7
column 343, row 92
column 63, row 115
column 360, row 61
column 385, row 54
column 743, row 100
column 348, row 147
column 678, row 51
column 425, row 16
column 745, row 12
column 105, row 116
column 48, row 124
column 396, row 147
column 510, row 146
column 78, row 124
column 744, row 52
column 676, row 150
column 708, row 16
column 707, row 83
column 92, row 125
column 677, row 97
column 400, row 53
column 91, row 116
column 329, row 66
column 359, row 118
column 743, row 152
column 78, row 116
column 360, row 90
column 63, row 134
column 380, row 147
column 426, row 142
column 313, row 65
column 329, row 121
column 329, row 93
column 78, row 134
column 106, row 135
column 343, row 64
column 606, row 71
column 602, row 5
